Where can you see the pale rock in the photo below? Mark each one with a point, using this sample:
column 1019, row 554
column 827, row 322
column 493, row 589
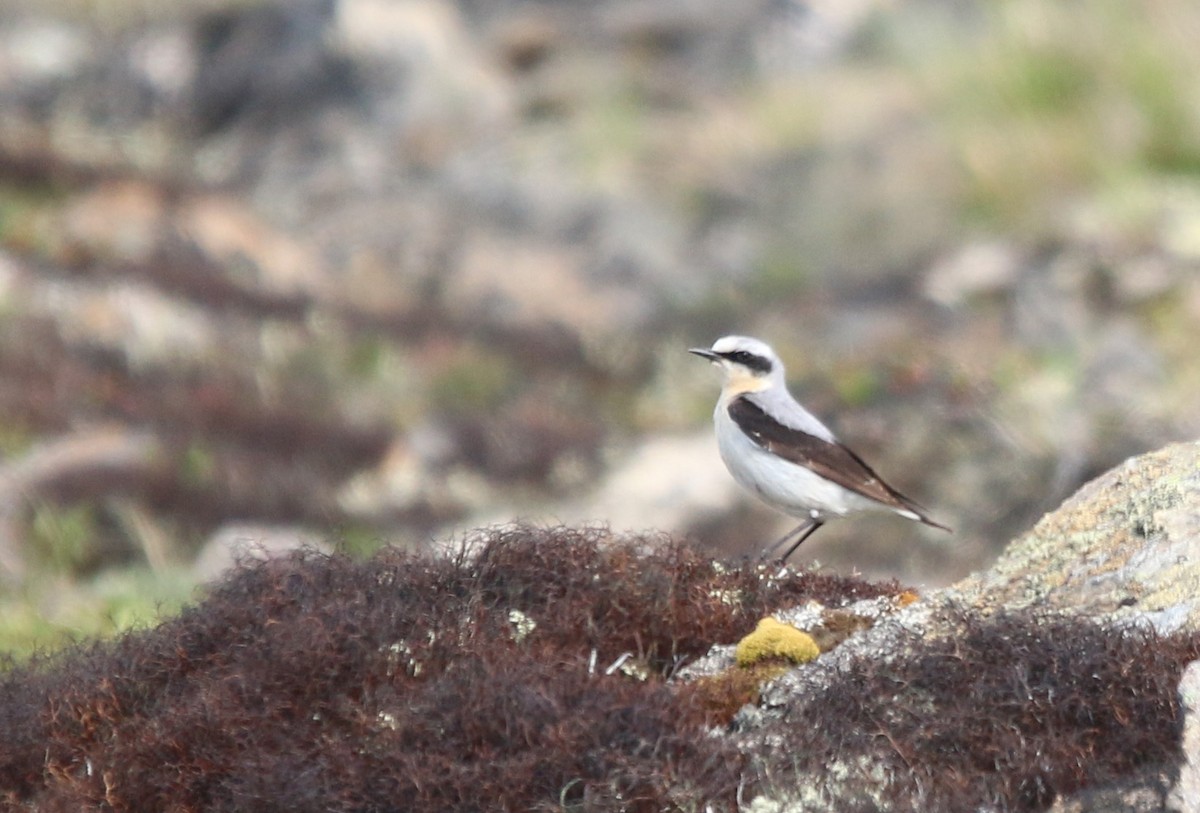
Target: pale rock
column 1185, row 797
column 670, row 484
column 237, row 541
column 986, row 267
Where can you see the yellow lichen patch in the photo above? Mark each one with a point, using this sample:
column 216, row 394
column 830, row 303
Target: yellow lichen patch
column 907, row 597
column 773, row 639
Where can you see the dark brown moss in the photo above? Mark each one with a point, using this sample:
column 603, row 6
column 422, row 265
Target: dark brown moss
column 400, row 683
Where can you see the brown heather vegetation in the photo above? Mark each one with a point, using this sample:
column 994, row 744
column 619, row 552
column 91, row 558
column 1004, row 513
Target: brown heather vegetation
column 320, row 683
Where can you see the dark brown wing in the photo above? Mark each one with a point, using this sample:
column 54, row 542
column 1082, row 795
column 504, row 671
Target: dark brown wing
column 833, row 461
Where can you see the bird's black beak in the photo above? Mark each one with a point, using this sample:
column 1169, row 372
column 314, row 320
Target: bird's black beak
column 704, row 353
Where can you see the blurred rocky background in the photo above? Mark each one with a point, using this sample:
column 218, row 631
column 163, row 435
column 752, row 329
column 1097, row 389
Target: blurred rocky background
column 364, row 272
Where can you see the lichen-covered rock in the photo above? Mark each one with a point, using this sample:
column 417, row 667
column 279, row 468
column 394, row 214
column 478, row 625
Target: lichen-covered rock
column 1075, row 640
column 1185, row 796
column 1127, row 545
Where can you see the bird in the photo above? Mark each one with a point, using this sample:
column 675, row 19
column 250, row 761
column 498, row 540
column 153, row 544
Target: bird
column 780, row 452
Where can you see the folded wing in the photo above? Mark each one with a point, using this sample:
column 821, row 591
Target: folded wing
column 829, row 459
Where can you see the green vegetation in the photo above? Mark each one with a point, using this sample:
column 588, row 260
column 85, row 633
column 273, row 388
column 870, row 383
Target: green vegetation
column 359, row 542
column 858, row 385
column 612, row 133
column 56, row 605
column 53, row 611
column 15, row 438
column 475, row 379
column 25, row 216
column 1056, row 99
column 199, row 465
column 61, row 535
column 782, row 274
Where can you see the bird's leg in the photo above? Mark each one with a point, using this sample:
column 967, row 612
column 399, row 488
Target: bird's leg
column 804, row 529
column 809, row 529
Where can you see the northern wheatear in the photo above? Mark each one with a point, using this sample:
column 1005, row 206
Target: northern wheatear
column 781, row 453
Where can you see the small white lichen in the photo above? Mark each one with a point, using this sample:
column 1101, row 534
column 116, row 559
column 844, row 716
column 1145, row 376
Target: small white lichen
column 522, row 625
